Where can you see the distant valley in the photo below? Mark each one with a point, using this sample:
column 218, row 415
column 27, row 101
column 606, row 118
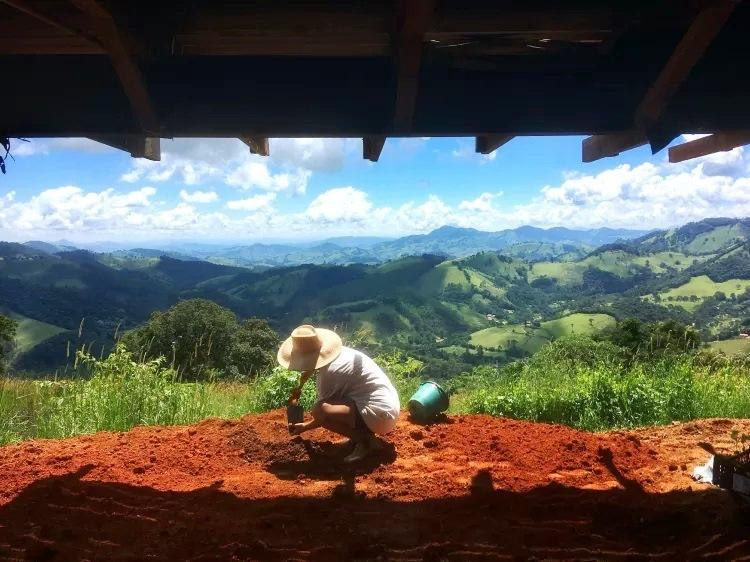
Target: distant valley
column 525, row 242
column 453, row 297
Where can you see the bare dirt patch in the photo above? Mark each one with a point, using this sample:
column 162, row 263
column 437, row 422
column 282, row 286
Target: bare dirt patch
column 470, row 488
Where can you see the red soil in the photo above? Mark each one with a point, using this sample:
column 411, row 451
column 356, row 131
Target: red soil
column 472, row 488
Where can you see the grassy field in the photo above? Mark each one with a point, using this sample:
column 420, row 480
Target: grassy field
column 578, row 323
column 735, row 346
column 660, row 262
column 437, row 280
column 571, row 273
column 531, row 339
column 501, row 336
column 32, row 332
column 715, row 239
column 618, row 263
column 701, row 287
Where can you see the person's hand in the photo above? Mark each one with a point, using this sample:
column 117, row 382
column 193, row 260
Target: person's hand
column 297, row 428
column 296, row 393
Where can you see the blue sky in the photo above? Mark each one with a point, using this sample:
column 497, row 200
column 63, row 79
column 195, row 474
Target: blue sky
column 213, row 189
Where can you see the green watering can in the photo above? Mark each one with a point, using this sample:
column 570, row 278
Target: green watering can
column 428, row 402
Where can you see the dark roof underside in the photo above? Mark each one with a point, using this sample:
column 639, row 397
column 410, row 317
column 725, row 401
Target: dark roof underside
column 314, row 68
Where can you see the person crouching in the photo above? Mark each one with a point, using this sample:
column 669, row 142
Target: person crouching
column 355, row 398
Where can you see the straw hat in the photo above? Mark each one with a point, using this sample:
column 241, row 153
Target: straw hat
column 309, row 348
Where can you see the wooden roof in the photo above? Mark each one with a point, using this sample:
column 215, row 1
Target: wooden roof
column 127, row 72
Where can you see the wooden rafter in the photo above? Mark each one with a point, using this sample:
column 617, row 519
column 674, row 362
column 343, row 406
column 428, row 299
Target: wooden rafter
column 257, row 145
column 106, row 31
column 372, row 146
column 601, row 146
column 53, row 20
column 412, row 21
column 487, row 144
column 137, row 145
column 718, row 142
column 703, row 30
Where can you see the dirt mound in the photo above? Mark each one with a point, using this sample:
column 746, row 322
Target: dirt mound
column 472, row 488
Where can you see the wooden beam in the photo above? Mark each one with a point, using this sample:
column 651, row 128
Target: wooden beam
column 600, row 146
column 257, row 145
column 372, row 146
column 487, row 144
column 127, row 70
column 412, row 21
column 699, row 36
column 53, row 20
column 718, row 142
column 138, row 146
column 702, row 31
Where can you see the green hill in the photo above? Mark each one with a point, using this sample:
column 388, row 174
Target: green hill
column 708, row 236
column 436, row 308
column 530, row 338
column 691, row 294
column 30, row 333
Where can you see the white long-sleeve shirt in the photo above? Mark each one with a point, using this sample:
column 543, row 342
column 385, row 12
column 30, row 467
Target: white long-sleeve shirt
column 355, row 376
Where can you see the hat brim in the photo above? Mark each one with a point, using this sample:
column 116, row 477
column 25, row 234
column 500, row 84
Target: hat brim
column 310, row 360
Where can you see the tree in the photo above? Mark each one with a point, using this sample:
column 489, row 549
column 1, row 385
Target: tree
column 7, row 334
column 198, row 336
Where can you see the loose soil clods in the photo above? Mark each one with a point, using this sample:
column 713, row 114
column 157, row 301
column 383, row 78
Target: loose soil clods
column 472, row 487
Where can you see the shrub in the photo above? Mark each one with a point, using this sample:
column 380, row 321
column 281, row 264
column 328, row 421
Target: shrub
column 594, row 393
column 404, row 373
column 272, row 390
column 197, row 336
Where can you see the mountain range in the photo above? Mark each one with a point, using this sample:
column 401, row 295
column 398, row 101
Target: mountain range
column 447, row 310
column 525, row 242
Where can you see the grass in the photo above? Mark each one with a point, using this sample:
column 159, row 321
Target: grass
column 578, row 323
column 621, row 264
column 31, row 332
column 574, row 380
column 589, row 388
column 122, row 393
column 715, row 239
column 571, row 273
column 701, row 287
column 531, row 340
column 735, row 346
column 448, row 273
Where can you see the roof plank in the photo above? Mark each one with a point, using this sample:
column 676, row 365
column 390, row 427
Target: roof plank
column 372, row 146
column 127, row 70
column 257, row 145
column 137, row 145
column 487, row 144
column 601, row 146
column 718, row 142
column 413, row 17
column 702, row 31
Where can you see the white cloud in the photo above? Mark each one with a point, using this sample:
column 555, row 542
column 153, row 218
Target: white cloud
column 198, row 196
column 645, row 196
column 256, row 175
column 288, row 168
column 316, row 155
column 71, row 208
column 45, row 146
column 482, row 204
column 341, row 204
column 649, row 195
column 256, row 203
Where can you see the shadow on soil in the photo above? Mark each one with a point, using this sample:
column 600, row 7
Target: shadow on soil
column 325, row 461
column 70, row 518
